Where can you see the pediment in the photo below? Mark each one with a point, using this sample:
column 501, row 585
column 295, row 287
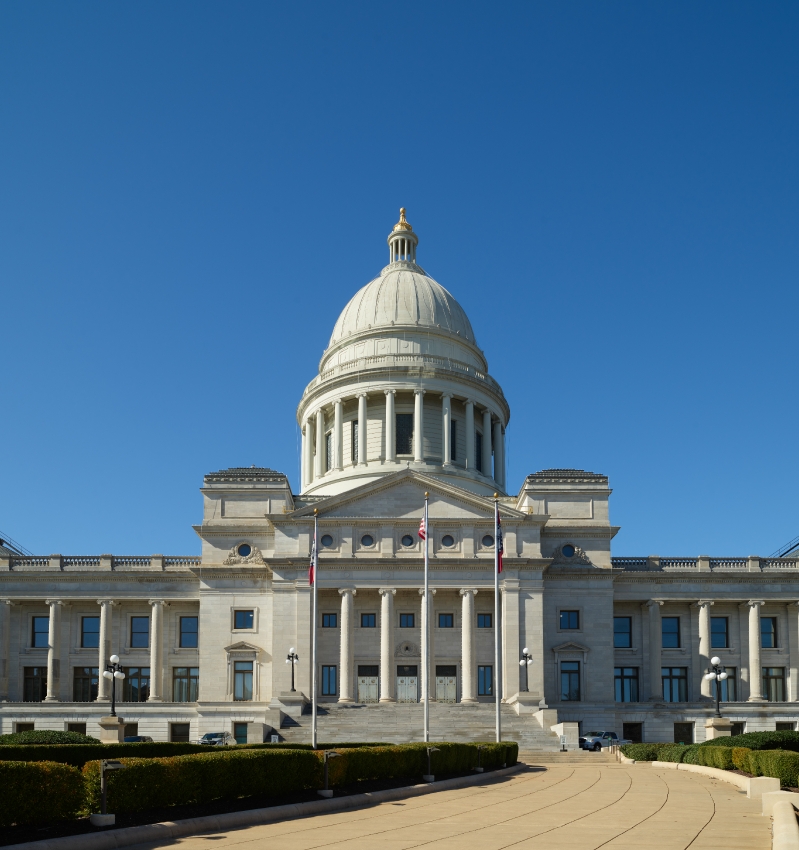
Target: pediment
column 570, row 646
column 401, row 495
column 242, row 646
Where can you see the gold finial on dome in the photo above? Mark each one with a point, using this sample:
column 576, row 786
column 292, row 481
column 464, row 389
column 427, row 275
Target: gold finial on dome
column 402, row 224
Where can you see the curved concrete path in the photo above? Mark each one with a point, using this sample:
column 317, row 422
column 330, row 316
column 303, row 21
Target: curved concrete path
column 569, row 807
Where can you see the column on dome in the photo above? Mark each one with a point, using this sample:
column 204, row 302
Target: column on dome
column 755, row 664
column 338, row 437
column 418, row 426
column 487, row 443
column 346, row 645
column 470, row 458
column 54, row 652
column 319, row 467
column 391, row 427
column 468, row 668
column 386, row 644
column 427, row 660
column 156, row 650
column 362, row 428
column 655, row 650
column 705, row 686
column 104, row 650
column 499, row 454
column 446, row 423
column 308, row 453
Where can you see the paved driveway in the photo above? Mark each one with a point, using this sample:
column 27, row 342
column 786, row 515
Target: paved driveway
column 575, row 807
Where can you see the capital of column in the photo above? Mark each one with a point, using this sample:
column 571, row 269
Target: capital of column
column 10, row 602
column 464, row 591
column 754, row 603
column 430, row 590
column 343, row 590
column 362, row 395
column 703, row 603
column 446, row 395
column 385, row 591
column 154, row 602
column 110, row 602
column 419, row 392
column 653, row 603
column 52, row 602
column 390, row 392
column 469, row 401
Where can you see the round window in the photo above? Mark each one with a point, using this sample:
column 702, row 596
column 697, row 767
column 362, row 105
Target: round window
column 367, row 540
column 245, row 550
column 327, row 540
column 407, row 540
column 488, row 540
column 447, row 540
column 568, row 550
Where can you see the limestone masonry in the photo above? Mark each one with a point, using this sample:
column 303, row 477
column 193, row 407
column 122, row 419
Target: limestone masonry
column 403, row 404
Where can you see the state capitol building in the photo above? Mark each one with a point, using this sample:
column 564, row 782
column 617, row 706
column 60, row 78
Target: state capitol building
column 403, row 405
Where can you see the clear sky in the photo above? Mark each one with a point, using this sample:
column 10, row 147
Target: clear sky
column 190, row 192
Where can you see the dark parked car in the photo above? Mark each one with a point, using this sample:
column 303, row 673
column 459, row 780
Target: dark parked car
column 138, row 739
column 218, row 739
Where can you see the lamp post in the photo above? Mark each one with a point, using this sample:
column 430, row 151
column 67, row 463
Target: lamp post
column 329, row 754
column 525, row 662
column 113, row 671
column 292, row 658
column 719, row 674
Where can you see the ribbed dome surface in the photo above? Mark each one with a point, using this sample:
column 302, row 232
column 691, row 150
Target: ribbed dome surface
column 402, row 297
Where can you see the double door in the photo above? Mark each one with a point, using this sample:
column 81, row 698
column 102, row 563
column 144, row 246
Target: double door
column 446, row 683
column 407, row 683
column 368, row 683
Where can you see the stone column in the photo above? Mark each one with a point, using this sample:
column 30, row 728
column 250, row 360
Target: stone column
column 655, row 650
column 5, row 646
column 338, row 435
column 319, row 466
column 362, row 426
column 755, row 664
column 391, row 427
column 706, row 686
column 54, row 652
column 156, row 650
column 431, row 666
column 303, row 458
column 104, row 650
column 487, row 443
column 470, row 458
column 468, row 668
column 418, row 426
column 387, row 678
column 345, row 693
column 446, row 423
column 499, row 455
column 308, row 456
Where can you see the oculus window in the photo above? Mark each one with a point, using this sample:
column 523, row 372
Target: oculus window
column 407, row 540
column 327, row 541
column 488, row 540
column 367, row 540
column 448, row 540
column 244, row 550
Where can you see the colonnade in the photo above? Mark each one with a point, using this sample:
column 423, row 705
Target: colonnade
column 315, row 432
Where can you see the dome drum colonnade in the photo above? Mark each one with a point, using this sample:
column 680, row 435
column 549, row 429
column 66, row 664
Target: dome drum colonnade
column 401, row 338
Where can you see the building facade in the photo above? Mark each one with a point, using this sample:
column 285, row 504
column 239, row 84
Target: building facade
column 403, row 405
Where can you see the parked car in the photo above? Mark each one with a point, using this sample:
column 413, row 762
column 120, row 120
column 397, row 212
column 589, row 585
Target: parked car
column 596, row 740
column 137, row 739
column 218, row 739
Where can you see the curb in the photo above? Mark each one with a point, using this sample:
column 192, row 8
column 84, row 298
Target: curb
column 133, row 835
column 785, row 829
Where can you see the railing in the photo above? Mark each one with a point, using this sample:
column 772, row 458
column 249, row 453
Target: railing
column 728, row 563
column 132, row 561
column 183, row 561
column 678, row 563
column 779, row 563
column 81, row 561
column 629, row 563
column 95, row 561
column 32, row 561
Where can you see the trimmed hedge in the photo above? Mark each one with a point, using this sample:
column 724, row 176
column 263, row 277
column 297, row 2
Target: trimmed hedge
column 47, row 736
column 78, row 754
column 643, row 752
column 39, row 793
column 759, row 741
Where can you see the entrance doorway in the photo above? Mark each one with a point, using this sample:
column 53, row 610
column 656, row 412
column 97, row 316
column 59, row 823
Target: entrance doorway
column 368, row 683
column 446, row 683
column 407, row 683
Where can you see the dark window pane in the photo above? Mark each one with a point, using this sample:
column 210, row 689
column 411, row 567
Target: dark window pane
column 329, row 683
column 622, row 632
column 84, row 684
column 570, row 681
column 626, row 682
column 446, row 621
column 453, row 440
column 768, row 632
column 188, row 631
column 90, row 631
column 240, row 733
column 670, row 627
column 329, row 621
column 774, row 684
column 485, row 681
column 242, row 680
column 34, row 687
column 41, row 629
column 718, row 632
column 404, row 433
column 368, row 621
column 407, row 621
column 329, row 451
column 478, row 451
column 675, row 684
column 136, row 684
column 355, row 442
column 180, row 732
column 244, row 619
column 570, row 619
column 484, row 621
column 139, row 632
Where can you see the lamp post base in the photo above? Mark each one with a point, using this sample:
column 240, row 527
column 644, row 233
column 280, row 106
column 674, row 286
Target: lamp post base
column 112, row 729
column 717, row 727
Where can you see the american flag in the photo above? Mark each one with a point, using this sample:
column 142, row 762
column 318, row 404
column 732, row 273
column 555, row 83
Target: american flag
column 422, row 529
column 500, row 544
column 312, row 569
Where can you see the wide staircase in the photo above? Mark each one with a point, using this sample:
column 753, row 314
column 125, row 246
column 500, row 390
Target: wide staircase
column 399, row 723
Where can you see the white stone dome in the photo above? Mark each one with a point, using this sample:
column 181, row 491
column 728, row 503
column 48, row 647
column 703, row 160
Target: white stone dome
column 404, row 297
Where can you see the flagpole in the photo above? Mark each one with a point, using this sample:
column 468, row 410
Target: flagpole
column 496, row 618
column 313, row 630
column 426, row 660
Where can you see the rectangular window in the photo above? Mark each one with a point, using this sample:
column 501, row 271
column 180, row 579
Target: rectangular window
column 240, row 733
column 185, row 684
column 626, row 683
column 407, row 621
column 354, row 442
column 623, row 633
column 484, row 621
column 328, row 451
column 24, row 727
column 329, row 680
column 188, row 632
column 670, row 629
column 675, row 684
column 329, row 621
column 243, row 619
column 729, row 688
column 446, row 621
column 786, row 726
column 485, row 681
column 139, row 632
column 180, row 732
column 242, row 680
column 570, row 619
column 570, row 681
column 84, row 684
column 89, row 632
column 719, row 627
column 453, row 440
column 34, row 686
column 40, row 630
column 768, row 632
column 136, row 684
column 404, row 433
column 478, row 451
column 683, row 733
column 774, row 683
column 80, row 728
column 368, row 621
column 131, row 730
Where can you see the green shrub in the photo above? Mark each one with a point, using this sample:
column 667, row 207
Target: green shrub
column 719, row 757
column 759, row 741
column 643, row 752
column 740, row 758
column 78, row 754
column 47, row 736
column 781, row 764
column 42, row 792
column 673, row 752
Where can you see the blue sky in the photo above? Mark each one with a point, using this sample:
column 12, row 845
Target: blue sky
column 190, row 193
